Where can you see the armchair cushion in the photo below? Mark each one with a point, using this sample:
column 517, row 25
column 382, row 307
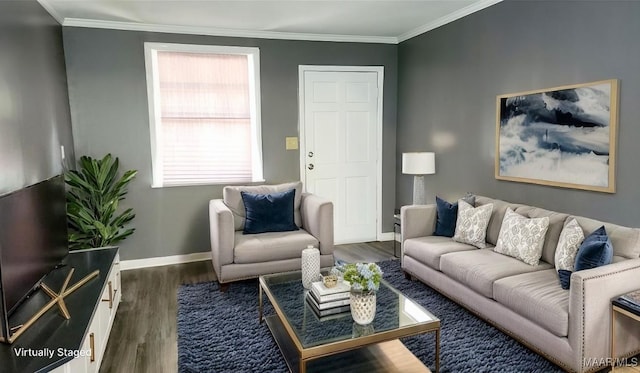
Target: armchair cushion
column 233, row 199
column 271, row 212
column 268, row 247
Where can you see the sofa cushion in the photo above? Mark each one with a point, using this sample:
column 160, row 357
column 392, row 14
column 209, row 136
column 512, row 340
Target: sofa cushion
column 478, row 269
column 521, row 237
column 625, row 241
column 267, row 247
column 271, row 212
column 447, row 215
column 471, row 225
column 232, row 198
column 499, row 208
column 538, row 297
column 556, row 223
column 568, row 244
column 429, row 249
column 595, row 251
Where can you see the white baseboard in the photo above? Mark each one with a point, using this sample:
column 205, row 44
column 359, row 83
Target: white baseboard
column 386, row 236
column 126, row 265
column 163, row 260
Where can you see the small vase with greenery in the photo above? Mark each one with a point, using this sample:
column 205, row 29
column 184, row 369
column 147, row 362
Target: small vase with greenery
column 93, row 198
column 365, row 282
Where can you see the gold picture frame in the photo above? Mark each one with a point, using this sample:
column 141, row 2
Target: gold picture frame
column 563, row 136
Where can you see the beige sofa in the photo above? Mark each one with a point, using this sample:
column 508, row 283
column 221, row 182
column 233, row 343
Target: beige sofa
column 237, row 256
column 571, row 327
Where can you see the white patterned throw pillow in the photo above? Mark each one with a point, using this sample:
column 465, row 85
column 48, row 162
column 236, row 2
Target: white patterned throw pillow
column 471, row 226
column 522, row 238
column 568, row 244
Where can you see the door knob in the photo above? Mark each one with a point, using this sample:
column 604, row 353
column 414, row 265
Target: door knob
column 310, row 154
column 310, row 166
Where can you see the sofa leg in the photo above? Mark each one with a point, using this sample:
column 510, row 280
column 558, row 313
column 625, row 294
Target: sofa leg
column 224, row 287
column 408, row 276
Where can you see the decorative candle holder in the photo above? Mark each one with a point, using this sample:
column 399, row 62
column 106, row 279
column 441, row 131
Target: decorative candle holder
column 310, row 266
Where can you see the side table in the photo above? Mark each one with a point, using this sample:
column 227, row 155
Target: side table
column 397, row 224
column 621, row 306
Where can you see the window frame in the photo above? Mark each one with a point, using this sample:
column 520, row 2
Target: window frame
column 155, row 117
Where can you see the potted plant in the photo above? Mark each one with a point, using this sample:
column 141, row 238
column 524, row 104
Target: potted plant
column 365, row 282
column 92, row 203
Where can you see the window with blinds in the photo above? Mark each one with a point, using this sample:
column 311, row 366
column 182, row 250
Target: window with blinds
column 204, row 107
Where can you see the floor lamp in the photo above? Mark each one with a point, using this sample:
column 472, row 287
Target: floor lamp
column 419, row 164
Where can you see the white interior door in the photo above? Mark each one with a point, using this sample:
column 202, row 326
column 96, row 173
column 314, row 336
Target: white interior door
column 340, row 135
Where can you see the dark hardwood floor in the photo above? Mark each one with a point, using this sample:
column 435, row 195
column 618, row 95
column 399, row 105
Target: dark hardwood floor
column 143, row 338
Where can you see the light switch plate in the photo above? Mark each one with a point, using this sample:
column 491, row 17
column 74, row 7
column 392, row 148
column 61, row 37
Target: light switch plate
column 291, row 143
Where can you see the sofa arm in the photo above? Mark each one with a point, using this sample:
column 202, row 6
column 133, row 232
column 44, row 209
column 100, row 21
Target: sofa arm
column 317, row 219
column 221, row 230
column 417, row 221
column 590, row 298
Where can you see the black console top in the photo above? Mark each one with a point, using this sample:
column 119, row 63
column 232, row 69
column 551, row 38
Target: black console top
column 52, row 340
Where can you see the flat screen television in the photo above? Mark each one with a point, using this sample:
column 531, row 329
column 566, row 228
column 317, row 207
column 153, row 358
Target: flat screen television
column 33, row 239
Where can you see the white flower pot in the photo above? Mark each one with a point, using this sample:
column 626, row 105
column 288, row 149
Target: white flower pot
column 363, row 307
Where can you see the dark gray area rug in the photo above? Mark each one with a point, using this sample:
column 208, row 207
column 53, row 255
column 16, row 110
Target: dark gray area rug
column 219, row 332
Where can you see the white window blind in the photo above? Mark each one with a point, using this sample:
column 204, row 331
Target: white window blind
column 206, row 122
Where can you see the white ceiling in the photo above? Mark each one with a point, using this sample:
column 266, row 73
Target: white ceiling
column 355, row 20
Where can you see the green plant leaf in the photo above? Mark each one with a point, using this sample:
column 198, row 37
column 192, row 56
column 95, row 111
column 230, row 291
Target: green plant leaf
column 77, row 180
column 122, row 235
column 123, row 218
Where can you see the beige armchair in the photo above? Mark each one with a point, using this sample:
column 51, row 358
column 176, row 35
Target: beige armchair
column 237, row 256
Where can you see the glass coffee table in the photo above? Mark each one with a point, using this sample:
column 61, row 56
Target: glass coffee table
column 310, row 344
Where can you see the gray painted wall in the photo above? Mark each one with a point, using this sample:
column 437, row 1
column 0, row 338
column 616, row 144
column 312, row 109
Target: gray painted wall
column 34, row 105
column 449, row 78
column 108, row 95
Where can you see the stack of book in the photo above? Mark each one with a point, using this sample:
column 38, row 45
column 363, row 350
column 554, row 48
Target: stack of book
column 629, row 302
column 329, row 301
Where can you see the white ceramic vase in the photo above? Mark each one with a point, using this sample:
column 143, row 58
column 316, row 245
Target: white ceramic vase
column 310, row 266
column 363, row 307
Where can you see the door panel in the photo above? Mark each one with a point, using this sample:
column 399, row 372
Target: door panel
column 357, row 132
column 325, row 136
column 340, row 111
column 357, row 92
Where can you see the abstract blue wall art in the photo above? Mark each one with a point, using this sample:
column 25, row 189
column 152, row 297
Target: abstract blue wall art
column 563, row 136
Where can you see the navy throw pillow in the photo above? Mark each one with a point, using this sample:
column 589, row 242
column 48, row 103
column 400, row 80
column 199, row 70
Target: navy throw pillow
column 596, row 250
column 565, row 278
column 447, row 215
column 269, row 212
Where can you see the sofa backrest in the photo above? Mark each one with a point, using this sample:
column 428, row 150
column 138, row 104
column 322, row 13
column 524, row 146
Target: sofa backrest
column 499, row 209
column 556, row 223
column 625, row 240
column 233, row 199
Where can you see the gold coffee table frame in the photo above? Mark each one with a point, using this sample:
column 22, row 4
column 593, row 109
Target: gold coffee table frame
column 615, row 310
column 380, row 351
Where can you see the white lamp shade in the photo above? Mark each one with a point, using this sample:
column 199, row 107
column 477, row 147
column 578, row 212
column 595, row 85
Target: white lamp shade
column 423, row 163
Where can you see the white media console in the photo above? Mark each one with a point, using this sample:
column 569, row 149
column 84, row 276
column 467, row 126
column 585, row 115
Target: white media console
column 77, row 345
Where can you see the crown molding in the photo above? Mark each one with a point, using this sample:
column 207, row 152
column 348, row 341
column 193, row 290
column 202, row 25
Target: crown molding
column 212, row 31
column 51, row 10
column 475, row 7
